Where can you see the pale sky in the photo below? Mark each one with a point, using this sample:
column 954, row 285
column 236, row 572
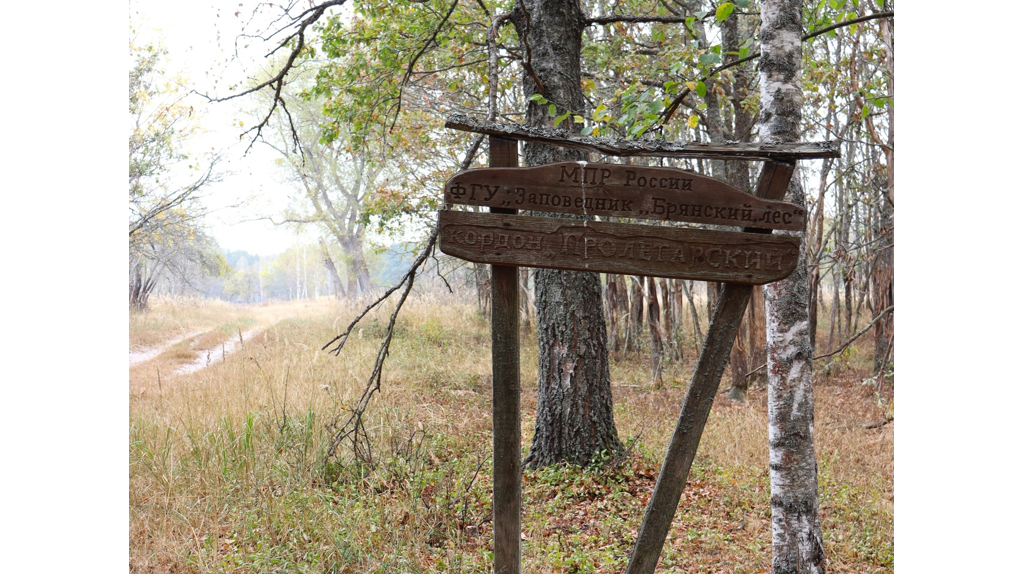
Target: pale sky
column 200, row 38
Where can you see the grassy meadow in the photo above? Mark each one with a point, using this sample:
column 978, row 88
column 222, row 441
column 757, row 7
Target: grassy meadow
column 227, row 465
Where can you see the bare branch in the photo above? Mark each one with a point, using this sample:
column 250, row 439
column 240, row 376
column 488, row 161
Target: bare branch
column 354, row 430
column 604, row 20
column 304, row 20
column 848, row 342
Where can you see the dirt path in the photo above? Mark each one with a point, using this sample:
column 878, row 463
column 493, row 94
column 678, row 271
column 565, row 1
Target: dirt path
column 143, row 354
column 208, row 357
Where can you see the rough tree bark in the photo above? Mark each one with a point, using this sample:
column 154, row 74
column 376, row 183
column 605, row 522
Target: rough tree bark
column 884, row 271
column 574, row 402
column 796, row 528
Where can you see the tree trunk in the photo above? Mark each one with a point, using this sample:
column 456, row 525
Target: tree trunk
column 140, row 286
column 882, row 284
column 654, row 326
column 616, row 296
column 756, row 333
column 884, row 272
column 698, row 335
column 482, row 280
column 669, row 313
column 332, row 271
column 574, row 401
column 796, row 528
column 635, row 323
column 738, row 365
column 525, row 305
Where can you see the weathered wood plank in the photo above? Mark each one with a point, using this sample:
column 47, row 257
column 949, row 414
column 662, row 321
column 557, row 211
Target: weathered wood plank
column 621, row 191
column 705, row 255
column 505, row 392
column 700, row 396
column 647, row 148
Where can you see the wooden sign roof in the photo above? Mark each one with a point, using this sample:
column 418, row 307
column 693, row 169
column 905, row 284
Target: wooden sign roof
column 621, row 191
column 660, row 251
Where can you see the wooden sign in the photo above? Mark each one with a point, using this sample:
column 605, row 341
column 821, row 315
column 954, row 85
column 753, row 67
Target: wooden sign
column 706, row 255
column 621, row 191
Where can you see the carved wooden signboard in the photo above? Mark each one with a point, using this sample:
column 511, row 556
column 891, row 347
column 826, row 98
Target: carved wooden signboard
column 621, row 191
column 675, row 252
column 505, row 240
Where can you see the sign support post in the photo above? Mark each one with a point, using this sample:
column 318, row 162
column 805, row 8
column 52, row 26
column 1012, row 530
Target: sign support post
column 505, row 390
column 697, row 405
column 508, row 241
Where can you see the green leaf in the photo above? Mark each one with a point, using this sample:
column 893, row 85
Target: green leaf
column 709, row 58
column 538, row 98
column 552, row 110
column 743, row 4
column 692, row 121
column 689, row 25
column 672, row 87
column 744, row 52
column 701, row 89
column 561, row 118
column 717, row 48
column 723, row 11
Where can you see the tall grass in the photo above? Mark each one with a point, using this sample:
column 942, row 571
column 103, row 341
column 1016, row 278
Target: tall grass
column 228, row 470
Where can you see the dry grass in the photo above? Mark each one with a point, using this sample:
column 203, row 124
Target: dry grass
column 227, row 473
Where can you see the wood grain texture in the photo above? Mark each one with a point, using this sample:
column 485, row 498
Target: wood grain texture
column 787, row 152
column 505, row 393
column 606, row 189
column 705, row 255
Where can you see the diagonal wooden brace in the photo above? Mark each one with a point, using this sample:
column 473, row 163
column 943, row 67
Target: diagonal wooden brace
column 707, row 375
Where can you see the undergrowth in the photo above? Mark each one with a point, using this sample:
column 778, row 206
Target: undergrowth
column 228, row 473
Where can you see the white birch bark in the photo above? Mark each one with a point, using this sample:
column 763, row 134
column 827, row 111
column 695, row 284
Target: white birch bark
column 796, row 529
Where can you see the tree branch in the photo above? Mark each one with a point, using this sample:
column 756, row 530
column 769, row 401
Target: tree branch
column 645, row 148
column 848, row 342
column 604, row 20
column 412, row 62
column 353, row 429
column 305, row 19
column 671, row 109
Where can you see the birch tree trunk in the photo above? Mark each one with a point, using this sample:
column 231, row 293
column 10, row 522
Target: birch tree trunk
column 796, row 529
column 574, row 397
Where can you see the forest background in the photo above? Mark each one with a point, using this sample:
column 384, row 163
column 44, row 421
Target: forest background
column 960, row 393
